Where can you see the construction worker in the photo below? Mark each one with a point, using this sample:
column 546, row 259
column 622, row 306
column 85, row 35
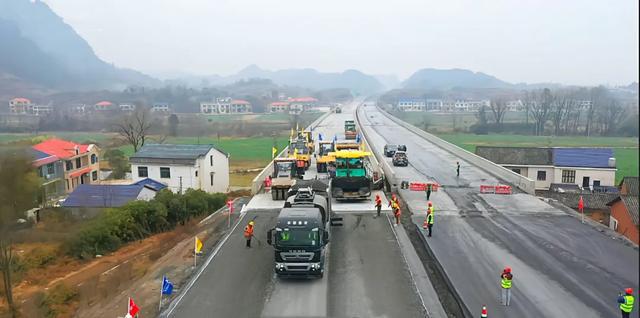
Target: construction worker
column 626, row 302
column 393, row 199
column 428, row 190
column 248, row 232
column 396, row 211
column 506, row 281
column 430, row 208
column 457, row 168
column 429, row 222
column 378, row 204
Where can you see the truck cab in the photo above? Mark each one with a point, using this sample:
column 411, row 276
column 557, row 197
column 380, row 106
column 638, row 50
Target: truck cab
column 301, row 234
column 350, row 129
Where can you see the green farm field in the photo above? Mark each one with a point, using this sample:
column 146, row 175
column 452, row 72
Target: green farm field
column 625, row 148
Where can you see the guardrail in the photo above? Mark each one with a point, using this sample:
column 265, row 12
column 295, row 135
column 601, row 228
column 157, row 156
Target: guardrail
column 379, row 159
column 523, row 183
column 258, row 182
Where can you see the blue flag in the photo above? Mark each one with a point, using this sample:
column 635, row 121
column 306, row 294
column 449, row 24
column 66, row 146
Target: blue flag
column 335, row 138
column 167, row 286
column 320, row 137
column 358, row 138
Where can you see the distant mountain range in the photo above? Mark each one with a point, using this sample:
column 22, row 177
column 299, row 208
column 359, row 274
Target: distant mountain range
column 40, row 49
column 353, row 80
column 430, row 78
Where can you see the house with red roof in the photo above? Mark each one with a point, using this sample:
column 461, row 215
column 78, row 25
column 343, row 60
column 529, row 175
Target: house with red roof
column 279, row 107
column 301, row 104
column 20, row 105
column 79, row 162
column 104, row 106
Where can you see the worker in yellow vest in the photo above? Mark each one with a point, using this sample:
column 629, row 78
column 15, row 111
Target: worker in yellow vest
column 430, row 208
column 626, row 302
column 506, row 281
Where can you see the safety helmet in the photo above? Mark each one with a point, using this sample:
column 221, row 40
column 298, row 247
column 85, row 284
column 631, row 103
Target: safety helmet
column 629, row 291
column 251, row 223
column 430, row 204
column 507, row 269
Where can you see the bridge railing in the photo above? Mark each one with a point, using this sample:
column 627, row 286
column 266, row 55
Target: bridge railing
column 258, row 182
column 523, row 183
column 378, row 159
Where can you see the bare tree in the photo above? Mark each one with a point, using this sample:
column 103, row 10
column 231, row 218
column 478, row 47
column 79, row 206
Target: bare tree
column 134, row 128
column 17, row 194
column 597, row 95
column 560, row 110
column 609, row 114
column 498, row 107
column 540, row 105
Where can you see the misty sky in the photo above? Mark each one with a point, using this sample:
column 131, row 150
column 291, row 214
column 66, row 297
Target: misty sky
column 570, row 41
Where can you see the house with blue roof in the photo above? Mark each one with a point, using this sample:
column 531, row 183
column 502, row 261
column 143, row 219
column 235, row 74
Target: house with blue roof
column 591, row 169
column 95, row 197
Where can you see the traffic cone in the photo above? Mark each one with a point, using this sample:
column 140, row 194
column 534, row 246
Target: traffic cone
column 425, row 225
column 483, row 314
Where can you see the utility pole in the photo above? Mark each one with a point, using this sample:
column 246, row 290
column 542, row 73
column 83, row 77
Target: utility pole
column 180, row 188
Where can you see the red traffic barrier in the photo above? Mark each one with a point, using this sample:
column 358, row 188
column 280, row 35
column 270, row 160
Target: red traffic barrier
column 487, row 189
column 422, row 186
column 503, row 189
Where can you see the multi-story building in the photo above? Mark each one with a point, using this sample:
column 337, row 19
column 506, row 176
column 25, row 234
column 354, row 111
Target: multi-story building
column 80, row 161
column 51, row 171
column 20, row 105
column 515, row 105
column 160, row 107
column 40, row 110
column 589, row 168
column 411, row 105
column 434, row 104
column 79, row 108
column 226, row 106
column 127, row 107
column 183, row 167
column 279, row 107
column 103, row 106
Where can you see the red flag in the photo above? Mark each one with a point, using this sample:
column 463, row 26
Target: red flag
column 580, row 204
column 230, row 205
column 133, row 308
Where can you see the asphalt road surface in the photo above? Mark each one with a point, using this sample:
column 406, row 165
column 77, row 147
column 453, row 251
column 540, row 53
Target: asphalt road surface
column 562, row 268
column 367, row 275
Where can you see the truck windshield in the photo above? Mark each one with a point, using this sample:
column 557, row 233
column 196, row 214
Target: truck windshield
column 353, row 163
column 284, row 169
column 325, row 149
column 297, row 237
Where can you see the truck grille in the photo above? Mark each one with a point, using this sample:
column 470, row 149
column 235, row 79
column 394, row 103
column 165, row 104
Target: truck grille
column 296, row 257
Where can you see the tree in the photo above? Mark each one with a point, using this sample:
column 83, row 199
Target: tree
column 173, row 125
column 560, row 109
column 118, row 162
column 498, row 108
column 609, row 114
column 540, row 105
column 597, row 97
column 134, row 128
column 18, row 193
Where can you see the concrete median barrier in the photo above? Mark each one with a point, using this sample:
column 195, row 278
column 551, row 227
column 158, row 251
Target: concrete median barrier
column 523, row 183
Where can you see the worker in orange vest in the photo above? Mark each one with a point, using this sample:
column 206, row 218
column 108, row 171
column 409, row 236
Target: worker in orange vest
column 248, row 232
column 396, row 211
column 394, row 199
column 378, row 204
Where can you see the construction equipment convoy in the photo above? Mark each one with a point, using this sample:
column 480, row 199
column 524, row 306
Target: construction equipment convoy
column 302, row 230
column 299, row 150
column 353, row 177
column 350, row 131
column 283, row 177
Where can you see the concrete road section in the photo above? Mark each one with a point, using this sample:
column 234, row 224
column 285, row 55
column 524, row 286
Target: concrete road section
column 369, row 274
column 562, row 268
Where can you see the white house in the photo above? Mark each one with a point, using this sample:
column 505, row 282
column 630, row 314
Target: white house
column 589, row 168
column 160, row 107
column 127, row 107
column 183, row 167
column 411, row 105
column 226, row 106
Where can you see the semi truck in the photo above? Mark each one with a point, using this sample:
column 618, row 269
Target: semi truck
column 353, row 177
column 350, row 129
column 302, row 230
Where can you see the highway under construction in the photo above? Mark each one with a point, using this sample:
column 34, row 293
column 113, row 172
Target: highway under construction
column 562, row 267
